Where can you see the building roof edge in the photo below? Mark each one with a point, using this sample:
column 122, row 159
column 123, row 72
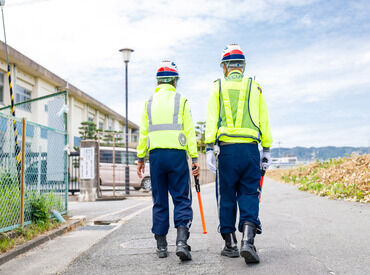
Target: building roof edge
column 30, row 66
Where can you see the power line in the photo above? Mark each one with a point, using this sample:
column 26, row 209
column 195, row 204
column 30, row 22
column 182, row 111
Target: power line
column 27, row 2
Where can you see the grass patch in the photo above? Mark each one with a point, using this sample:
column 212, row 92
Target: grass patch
column 36, row 206
column 21, row 235
column 346, row 178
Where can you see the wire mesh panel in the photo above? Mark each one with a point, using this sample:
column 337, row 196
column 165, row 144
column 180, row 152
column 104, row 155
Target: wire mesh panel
column 47, row 110
column 10, row 193
column 45, row 160
column 45, row 170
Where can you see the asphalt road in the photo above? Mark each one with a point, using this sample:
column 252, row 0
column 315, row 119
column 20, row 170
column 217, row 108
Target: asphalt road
column 302, row 234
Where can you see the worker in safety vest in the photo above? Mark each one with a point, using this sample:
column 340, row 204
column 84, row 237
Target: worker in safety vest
column 237, row 121
column 167, row 132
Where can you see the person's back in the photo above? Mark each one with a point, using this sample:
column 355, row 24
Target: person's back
column 168, row 133
column 237, row 120
column 165, row 110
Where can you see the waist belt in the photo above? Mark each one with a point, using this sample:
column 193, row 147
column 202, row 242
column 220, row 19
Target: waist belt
column 223, row 143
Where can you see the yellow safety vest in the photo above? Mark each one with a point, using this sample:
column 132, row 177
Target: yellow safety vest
column 237, row 112
column 166, row 123
column 238, row 124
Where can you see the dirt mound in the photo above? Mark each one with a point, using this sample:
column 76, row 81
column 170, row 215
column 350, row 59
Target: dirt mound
column 346, row 178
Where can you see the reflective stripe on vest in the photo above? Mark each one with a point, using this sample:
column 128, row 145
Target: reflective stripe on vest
column 237, row 127
column 239, row 114
column 162, row 127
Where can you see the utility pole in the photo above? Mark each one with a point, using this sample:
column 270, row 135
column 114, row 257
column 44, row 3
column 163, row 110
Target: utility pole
column 17, row 149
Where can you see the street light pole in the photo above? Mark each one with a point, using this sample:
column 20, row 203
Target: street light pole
column 127, row 168
column 126, row 52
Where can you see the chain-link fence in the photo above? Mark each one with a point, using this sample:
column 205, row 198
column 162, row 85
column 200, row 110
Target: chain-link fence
column 42, row 140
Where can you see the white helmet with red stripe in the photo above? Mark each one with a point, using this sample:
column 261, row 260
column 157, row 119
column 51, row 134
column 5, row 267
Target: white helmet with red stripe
column 233, row 52
column 167, row 71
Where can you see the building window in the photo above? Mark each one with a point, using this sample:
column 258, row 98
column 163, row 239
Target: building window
column 101, row 125
column 110, row 124
column 3, row 124
column 76, row 141
column 90, row 119
column 29, row 130
column 1, row 88
column 44, row 133
column 21, row 95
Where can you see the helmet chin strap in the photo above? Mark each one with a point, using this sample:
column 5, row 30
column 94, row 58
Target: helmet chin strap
column 227, row 71
column 228, row 67
column 168, row 80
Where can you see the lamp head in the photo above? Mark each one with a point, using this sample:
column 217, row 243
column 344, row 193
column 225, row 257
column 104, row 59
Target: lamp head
column 126, row 53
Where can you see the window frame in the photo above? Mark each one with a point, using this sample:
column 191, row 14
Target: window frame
column 23, row 97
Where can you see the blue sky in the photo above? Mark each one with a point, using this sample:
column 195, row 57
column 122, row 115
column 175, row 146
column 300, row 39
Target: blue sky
column 312, row 58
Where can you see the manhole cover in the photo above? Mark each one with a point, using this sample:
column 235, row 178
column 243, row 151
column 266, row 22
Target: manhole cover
column 105, row 222
column 97, row 227
column 142, row 243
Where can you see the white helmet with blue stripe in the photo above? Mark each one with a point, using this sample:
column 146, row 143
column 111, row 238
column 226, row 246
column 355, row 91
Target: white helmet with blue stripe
column 167, row 71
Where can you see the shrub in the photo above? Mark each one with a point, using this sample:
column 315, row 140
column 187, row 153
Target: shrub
column 40, row 209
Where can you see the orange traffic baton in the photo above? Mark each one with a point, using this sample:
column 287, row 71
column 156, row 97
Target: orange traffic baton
column 263, row 172
column 197, row 188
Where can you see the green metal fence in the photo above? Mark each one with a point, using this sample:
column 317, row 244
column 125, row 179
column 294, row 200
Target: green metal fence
column 42, row 136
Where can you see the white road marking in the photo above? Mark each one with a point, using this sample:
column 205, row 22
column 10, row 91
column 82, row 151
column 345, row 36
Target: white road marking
column 129, row 217
column 116, row 212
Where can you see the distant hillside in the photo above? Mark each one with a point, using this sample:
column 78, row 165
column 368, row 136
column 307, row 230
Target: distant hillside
column 322, row 153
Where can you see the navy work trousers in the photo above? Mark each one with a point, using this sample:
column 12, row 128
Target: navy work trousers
column 238, row 184
column 169, row 172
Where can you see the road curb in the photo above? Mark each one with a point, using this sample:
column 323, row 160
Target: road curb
column 18, row 250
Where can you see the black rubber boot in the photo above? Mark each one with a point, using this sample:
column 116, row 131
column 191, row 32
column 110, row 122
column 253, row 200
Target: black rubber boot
column 182, row 248
column 161, row 246
column 247, row 249
column 231, row 245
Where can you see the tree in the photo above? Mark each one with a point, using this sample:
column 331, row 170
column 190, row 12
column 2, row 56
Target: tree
column 200, row 130
column 88, row 130
column 108, row 138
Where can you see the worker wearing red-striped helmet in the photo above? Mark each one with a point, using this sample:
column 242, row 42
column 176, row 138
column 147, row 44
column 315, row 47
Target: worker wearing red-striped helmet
column 237, row 121
column 167, row 134
column 232, row 58
column 167, row 72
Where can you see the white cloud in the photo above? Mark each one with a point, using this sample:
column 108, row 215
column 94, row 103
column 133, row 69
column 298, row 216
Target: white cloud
column 79, row 40
column 67, row 34
column 317, row 135
column 315, row 72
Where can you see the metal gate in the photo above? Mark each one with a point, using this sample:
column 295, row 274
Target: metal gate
column 113, row 167
column 74, row 172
